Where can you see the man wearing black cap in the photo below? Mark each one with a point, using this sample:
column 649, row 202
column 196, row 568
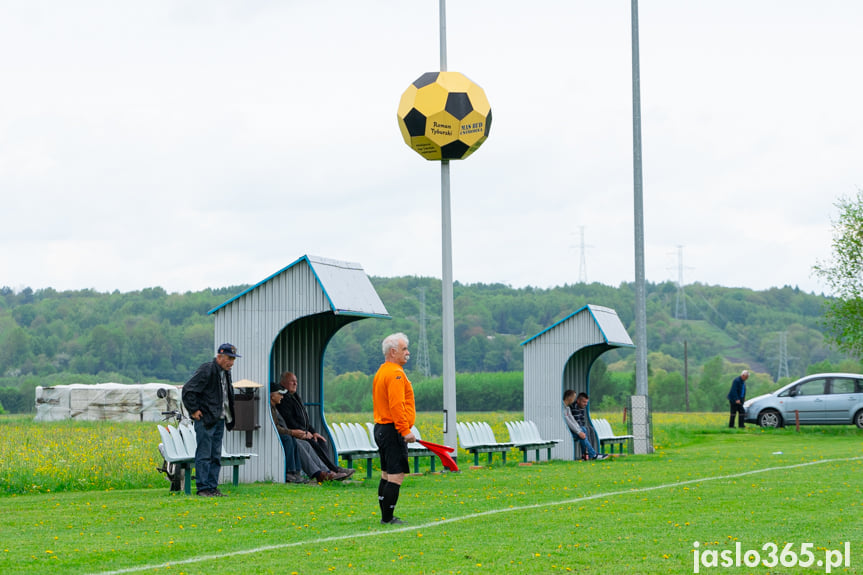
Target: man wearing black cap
column 209, row 399
column 293, row 465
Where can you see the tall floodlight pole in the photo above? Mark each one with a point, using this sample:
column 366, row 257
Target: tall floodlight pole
column 450, row 436
column 445, row 116
column 646, row 443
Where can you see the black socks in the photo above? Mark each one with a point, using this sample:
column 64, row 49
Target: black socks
column 388, row 496
column 381, row 486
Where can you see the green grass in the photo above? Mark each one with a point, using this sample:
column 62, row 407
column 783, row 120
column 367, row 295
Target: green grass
column 633, row 514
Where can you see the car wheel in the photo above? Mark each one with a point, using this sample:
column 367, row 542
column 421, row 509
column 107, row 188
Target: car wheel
column 769, row 418
column 858, row 419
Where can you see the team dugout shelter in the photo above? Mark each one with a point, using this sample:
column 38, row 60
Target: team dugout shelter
column 559, row 358
column 284, row 323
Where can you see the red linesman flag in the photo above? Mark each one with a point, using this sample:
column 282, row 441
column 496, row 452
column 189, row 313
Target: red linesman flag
column 442, row 451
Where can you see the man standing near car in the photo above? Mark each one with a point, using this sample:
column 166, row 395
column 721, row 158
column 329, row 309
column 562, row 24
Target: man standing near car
column 209, row 398
column 736, row 397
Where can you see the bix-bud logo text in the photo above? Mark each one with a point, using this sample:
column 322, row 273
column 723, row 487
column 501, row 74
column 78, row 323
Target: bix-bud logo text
column 770, row 556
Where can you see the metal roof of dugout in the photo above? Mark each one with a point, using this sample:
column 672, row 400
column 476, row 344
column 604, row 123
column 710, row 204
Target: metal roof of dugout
column 284, row 323
column 559, row 358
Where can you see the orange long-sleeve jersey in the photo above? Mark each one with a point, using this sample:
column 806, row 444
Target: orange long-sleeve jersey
column 393, row 397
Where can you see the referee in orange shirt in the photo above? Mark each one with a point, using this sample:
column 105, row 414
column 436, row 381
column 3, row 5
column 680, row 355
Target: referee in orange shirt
column 395, row 413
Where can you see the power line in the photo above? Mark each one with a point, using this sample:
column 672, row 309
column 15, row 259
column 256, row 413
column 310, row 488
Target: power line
column 582, row 260
column 782, row 369
column 680, row 303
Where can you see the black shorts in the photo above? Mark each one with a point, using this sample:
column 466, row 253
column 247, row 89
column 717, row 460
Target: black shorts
column 393, row 449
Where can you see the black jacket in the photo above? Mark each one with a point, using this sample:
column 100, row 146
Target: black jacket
column 294, row 412
column 204, row 391
column 738, row 390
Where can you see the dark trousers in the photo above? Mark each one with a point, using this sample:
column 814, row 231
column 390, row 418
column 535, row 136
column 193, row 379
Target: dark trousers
column 292, row 455
column 208, row 455
column 738, row 409
column 323, row 451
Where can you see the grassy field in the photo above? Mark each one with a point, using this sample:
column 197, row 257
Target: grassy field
column 85, row 498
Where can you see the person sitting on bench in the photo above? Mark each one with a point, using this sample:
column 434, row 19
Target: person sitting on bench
column 578, row 428
column 289, row 444
column 296, row 417
column 309, row 460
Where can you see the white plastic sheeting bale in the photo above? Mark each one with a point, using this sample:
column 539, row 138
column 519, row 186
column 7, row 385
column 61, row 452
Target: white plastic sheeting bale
column 52, row 403
column 106, row 401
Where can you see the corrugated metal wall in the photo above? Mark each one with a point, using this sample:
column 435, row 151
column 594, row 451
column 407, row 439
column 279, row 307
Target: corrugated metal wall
column 557, row 359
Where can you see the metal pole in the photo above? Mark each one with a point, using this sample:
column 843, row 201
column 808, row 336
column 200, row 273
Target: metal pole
column 450, row 436
column 645, row 446
column 448, row 320
column 640, row 295
column 686, row 374
column 442, row 10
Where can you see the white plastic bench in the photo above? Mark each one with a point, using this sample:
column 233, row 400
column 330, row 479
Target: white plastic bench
column 478, row 438
column 176, row 457
column 525, row 436
column 351, row 446
column 604, row 434
column 179, row 445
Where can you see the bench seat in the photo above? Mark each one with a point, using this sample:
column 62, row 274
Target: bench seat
column 352, row 444
column 479, row 438
column 605, row 435
column 179, row 445
column 525, row 435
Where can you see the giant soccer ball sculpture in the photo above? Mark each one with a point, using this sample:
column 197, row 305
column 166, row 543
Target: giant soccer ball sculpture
column 444, row 116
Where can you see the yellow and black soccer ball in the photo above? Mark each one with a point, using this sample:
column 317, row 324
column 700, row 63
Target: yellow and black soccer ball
column 444, row 116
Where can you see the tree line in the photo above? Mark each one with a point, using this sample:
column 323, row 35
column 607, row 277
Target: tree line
column 50, row 337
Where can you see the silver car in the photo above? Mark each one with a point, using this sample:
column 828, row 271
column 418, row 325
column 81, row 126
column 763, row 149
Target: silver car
column 820, row 399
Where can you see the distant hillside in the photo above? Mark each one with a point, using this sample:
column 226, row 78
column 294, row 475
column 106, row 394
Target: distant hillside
column 50, row 337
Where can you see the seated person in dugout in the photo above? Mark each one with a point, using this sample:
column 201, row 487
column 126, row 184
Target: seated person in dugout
column 296, row 417
column 576, row 421
column 309, row 460
column 289, row 444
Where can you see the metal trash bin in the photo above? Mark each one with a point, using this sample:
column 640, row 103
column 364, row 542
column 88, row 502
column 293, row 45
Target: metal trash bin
column 246, row 404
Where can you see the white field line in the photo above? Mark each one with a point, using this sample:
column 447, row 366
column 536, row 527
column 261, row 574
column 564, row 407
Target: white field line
column 389, row 531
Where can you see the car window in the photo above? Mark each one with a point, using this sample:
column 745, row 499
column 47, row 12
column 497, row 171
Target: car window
column 843, row 385
column 814, row 387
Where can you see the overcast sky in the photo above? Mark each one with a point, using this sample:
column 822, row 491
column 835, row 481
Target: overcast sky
column 195, row 144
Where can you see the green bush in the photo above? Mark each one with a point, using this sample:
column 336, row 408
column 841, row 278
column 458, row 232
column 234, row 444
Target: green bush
column 500, row 391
